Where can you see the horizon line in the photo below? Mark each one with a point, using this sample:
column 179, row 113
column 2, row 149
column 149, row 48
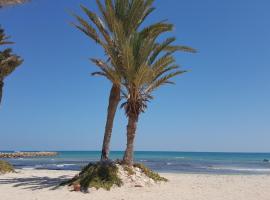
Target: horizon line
column 169, row 151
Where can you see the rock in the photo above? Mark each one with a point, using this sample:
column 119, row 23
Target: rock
column 136, row 169
column 77, row 187
column 265, row 160
column 133, row 178
column 138, row 186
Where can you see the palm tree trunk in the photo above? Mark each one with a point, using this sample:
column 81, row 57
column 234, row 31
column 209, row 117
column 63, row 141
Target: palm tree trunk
column 112, row 107
column 1, row 90
column 131, row 131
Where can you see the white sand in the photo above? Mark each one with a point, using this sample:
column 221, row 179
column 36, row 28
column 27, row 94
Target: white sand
column 39, row 184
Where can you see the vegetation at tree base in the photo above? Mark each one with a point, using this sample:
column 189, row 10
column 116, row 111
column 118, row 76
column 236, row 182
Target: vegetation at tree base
column 147, row 171
column 105, row 175
column 5, row 167
column 150, row 173
column 129, row 170
column 8, row 61
column 97, row 175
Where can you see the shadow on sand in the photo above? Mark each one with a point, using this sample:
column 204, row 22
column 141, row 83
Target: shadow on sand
column 34, row 182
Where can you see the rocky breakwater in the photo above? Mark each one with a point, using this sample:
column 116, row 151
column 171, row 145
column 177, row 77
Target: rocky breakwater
column 27, row 154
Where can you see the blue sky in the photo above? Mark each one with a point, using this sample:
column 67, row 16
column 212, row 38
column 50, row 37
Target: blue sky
column 52, row 103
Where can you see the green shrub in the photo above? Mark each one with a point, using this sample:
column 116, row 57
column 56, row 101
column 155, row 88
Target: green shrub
column 97, row 175
column 5, row 167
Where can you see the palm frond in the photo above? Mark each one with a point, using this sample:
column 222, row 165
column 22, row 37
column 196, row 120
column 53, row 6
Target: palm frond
column 99, row 24
column 87, row 29
column 8, row 63
column 163, row 62
column 148, row 10
column 180, row 48
column 109, row 72
column 160, row 47
column 155, row 30
column 3, row 38
column 163, row 80
column 98, row 74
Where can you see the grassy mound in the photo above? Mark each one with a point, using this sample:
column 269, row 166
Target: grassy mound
column 107, row 174
column 5, row 167
column 96, row 175
column 151, row 174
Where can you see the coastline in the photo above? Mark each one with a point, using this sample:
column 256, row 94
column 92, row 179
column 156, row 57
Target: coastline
column 28, row 154
column 28, row 184
column 183, row 162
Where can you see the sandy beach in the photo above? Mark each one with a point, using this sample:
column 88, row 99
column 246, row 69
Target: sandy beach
column 32, row 184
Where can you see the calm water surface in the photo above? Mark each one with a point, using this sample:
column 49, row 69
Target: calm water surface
column 178, row 162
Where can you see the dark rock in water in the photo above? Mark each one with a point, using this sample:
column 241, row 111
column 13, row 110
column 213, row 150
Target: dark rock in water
column 265, row 160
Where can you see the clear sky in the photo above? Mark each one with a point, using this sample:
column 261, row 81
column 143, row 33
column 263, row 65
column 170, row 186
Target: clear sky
column 223, row 104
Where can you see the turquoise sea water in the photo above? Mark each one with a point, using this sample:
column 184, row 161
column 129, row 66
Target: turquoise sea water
column 179, row 162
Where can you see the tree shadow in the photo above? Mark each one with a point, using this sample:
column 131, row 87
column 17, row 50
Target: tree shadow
column 35, row 182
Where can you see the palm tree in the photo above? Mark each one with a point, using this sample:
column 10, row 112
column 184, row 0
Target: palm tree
column 118, row 21
column 149, row 65
column 11, row 2
column 8, row 61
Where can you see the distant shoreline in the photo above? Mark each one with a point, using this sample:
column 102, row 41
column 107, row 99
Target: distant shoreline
column 141, row 151
column 27, row 154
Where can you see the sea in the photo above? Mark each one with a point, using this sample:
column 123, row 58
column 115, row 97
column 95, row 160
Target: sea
column 161, row 161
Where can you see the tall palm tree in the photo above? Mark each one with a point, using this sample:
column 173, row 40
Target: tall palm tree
column 118, row 21
column 149, row 65
column 8, row 61
column 11, row 2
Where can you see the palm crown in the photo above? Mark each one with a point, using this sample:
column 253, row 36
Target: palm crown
column 119, row 19
column 117, row 32
column 8, row 61
column 148, row 65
